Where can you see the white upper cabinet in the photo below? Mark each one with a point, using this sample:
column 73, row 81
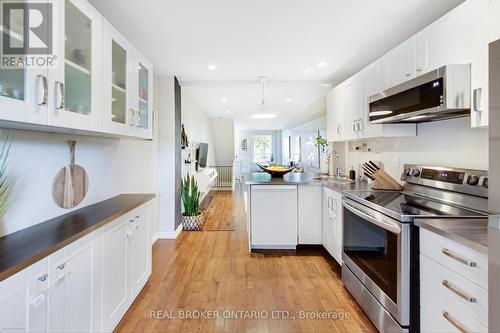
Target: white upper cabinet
column 456, row 38
column 99, row 83
column 348, row 108
column 118, row 116
column 23, row 92
column 76, row 81
column 335, row 110
column 353, row 107
column 127, row 87
column 143, row 97
column 399, row 64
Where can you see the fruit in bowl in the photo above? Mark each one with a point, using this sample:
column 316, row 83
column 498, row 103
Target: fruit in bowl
column 276, row 171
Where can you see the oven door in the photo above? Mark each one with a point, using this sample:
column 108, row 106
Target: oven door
column 377, row 251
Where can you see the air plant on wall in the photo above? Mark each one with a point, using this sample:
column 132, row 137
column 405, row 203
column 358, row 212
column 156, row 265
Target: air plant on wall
column 5, row 182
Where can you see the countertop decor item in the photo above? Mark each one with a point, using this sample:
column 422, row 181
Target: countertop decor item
column 276, row 171
column 5, row 182
column 71, row 183
column 192, row 218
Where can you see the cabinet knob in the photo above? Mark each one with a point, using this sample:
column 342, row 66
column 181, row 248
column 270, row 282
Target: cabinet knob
column 408, row 75
column 61, row 266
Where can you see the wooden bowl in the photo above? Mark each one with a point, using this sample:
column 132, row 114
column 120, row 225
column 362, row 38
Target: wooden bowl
column 275, row 173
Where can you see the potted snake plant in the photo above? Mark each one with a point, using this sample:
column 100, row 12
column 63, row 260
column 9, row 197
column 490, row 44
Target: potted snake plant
column 192, row 218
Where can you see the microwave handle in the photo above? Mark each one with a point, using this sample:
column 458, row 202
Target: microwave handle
column 384, row 223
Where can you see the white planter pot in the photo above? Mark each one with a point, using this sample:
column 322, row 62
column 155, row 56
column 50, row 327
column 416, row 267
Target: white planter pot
column 192, row 223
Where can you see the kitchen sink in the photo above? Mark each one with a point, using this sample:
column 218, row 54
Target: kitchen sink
column 334, row 180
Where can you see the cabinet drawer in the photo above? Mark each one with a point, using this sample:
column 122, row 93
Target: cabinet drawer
column 471, row 264
column 438, row 314
column 453, row 289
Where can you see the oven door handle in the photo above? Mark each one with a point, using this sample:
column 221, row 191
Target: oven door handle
column 383, row 222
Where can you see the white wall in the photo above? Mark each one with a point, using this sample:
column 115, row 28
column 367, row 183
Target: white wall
column 197, row 126
column 113, row 166
column 223, row 139
column 445, row 143
column 305, row 131
column 246, row 157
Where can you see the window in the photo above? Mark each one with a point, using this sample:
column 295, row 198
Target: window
column 287, row 151
column 262, row 148
column 297, row 149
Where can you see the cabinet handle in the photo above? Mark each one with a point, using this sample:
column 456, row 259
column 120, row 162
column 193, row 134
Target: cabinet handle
column 477, row 99
column 138, row 119
column 419, row 70
column 354, row 125
column 61, row 266
column 138, row 216
column 36, row 301
column 60, row 95
column 136, row 226
column 43, row 278
column 130, row 234
column 408, row 75
column 455, row 323
column 458, row 258
column 358, row 122
column 458, row 292
column 42, row 90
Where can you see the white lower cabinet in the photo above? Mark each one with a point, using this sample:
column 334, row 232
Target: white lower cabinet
column 86, row 286
column 453, row 290
column 332, row 225
column 310, row 214
column 126, row 264
column 273, row 214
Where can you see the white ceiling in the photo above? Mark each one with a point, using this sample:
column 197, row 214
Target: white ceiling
column 282, row 39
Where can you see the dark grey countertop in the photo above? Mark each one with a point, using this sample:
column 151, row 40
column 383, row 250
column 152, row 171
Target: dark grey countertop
column 262, row 178
column 472, row 233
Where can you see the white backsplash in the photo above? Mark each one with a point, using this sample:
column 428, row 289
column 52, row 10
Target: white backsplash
column 445, row 143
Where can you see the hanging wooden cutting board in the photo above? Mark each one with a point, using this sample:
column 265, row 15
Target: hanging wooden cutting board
column 71, row 183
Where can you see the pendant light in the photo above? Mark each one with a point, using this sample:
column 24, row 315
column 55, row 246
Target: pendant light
column 264, row 112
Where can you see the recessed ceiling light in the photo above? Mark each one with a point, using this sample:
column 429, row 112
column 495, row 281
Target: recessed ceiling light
column 223, row 100
column 288, row 100
column 307, row 70
column 212, row 67
column 322, row 64
column 228, row 111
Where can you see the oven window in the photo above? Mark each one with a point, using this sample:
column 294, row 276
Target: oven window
column 374, row 250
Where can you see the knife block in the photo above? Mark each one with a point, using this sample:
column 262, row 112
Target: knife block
column 385, row 182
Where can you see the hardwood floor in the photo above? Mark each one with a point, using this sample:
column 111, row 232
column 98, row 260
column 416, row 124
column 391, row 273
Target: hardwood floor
column 213, row 271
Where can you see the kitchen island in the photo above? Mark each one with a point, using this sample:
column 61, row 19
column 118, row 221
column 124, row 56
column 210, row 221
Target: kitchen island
column 285, row 212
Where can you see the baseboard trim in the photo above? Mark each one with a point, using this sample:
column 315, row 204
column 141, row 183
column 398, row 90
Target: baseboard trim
column 170, row 234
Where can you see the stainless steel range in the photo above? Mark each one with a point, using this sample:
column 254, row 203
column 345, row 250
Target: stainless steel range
column 381, row 243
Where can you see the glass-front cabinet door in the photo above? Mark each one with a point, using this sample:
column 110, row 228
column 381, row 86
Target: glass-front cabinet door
column 77, row 80
column 118, row 115
column 143, row 114
column 23, row 91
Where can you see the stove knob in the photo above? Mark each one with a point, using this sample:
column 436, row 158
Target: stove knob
column 485, row 182
column 407, row 171
column 415, row 172
column 473, row 180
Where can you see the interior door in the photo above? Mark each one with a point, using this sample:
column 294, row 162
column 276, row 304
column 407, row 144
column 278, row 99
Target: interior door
column 76, row 101
column 140, row 252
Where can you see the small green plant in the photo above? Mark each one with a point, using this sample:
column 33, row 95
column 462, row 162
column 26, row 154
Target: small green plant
column 321, row 143
column 5, row 182
column 190, row 196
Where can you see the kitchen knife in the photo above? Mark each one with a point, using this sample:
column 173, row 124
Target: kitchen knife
column 370, row 167
column 374, row 165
